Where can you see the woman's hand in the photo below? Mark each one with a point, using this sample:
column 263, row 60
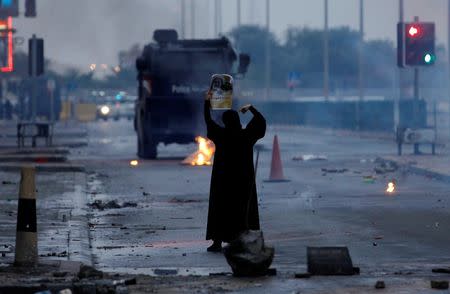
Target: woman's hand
column 208, row 95
column 245, row 108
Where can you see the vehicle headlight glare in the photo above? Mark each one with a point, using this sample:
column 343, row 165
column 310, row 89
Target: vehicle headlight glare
column 104, row 110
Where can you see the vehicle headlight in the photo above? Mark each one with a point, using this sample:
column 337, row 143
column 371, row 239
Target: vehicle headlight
column 104, row 110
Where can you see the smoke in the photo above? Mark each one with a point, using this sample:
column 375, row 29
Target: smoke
column 87, row 31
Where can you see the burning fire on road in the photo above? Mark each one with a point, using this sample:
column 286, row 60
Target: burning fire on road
column 204, row 153
column 390, row 187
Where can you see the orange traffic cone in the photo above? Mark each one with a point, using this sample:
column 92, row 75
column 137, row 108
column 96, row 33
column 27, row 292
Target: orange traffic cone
column 276, row 168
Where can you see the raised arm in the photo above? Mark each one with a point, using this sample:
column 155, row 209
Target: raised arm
column 257, row 125
column 212, row 127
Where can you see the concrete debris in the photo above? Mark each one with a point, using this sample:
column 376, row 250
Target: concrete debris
column 441, row 270
column 88, row 272
column 165, row 272
column 177, row 200
column 8, row 183
column 441, row 285
column 100, row 205
column 380, row 285
column 369, row 179
column 61, row 254
column 248, row 255
column 302, row 275
column 334, row 170
column 310, row 157
column 385, row 166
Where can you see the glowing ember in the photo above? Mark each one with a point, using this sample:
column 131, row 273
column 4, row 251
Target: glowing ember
column 134, row 163
column 204, row 153
column 391, row 187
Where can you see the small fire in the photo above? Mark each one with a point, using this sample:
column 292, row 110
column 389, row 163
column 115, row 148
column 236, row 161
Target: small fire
column 204, row 153
column 134, row 163
column 390, row 187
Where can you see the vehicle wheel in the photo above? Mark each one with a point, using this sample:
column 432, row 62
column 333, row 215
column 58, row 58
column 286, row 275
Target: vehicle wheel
column 146, row 148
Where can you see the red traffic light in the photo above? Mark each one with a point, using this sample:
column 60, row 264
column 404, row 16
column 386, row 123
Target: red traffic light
column 414, row 31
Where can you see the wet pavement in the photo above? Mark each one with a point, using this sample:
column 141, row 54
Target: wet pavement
column 158, row 224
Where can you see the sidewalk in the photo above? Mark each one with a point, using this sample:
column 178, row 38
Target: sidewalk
column 432, row 166
column 64, row 135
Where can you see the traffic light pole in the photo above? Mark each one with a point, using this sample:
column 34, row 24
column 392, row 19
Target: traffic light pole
column 33, row 78
column 326, row 66
column 416, row 99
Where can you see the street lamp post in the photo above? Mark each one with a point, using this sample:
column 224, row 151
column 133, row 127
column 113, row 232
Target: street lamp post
column 325, row 53
column 360, row 64
column 268, row 67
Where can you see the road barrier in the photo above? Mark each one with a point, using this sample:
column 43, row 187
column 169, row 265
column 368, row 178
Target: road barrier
column 276, row 168
column 85, row 112
column 26, row 253
column 368, row 115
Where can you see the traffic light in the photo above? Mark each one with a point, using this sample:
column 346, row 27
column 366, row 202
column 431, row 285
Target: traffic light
column 35, row 57
column 9, row 8
column 416, row 42
column 30, row 8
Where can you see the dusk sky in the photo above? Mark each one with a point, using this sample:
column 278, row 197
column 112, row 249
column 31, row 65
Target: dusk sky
column 93, row 31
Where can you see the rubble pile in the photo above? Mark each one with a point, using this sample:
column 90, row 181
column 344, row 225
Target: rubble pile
column 248, row 255
column 100, row 205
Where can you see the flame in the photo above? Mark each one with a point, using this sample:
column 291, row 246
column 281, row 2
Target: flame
column 204, row 153
column 134, row 163
column 390, row 187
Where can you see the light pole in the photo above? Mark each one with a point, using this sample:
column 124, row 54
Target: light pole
column 183, row 18
column 448, row 62
column 360, row 64
column 268, row 67
column 193, row 19
column 325, row 53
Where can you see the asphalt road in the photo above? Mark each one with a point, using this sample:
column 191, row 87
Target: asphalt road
column 406, row 231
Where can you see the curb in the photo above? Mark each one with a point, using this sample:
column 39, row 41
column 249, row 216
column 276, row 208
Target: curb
column 32, row 158
column 422, row 171
column 16, row 166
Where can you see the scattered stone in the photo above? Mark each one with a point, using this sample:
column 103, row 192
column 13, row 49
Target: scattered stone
column 385, row 166
column 441, row 285
column 131, row 281
column 129, row 204
column 60, row 274
column 89, row 272
column 380, row 285
column 145, row 193
column 100, row 205
column 219, row 274
column 3, row 254
column 302, row 275
column 329, row 261
column 8, row 183
column 374, row 244
column 310, row 157
column 334, row 170
column 248, row 256
column 441, row 270
column 184, row 254
column 165, row 272
column 177, row 200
